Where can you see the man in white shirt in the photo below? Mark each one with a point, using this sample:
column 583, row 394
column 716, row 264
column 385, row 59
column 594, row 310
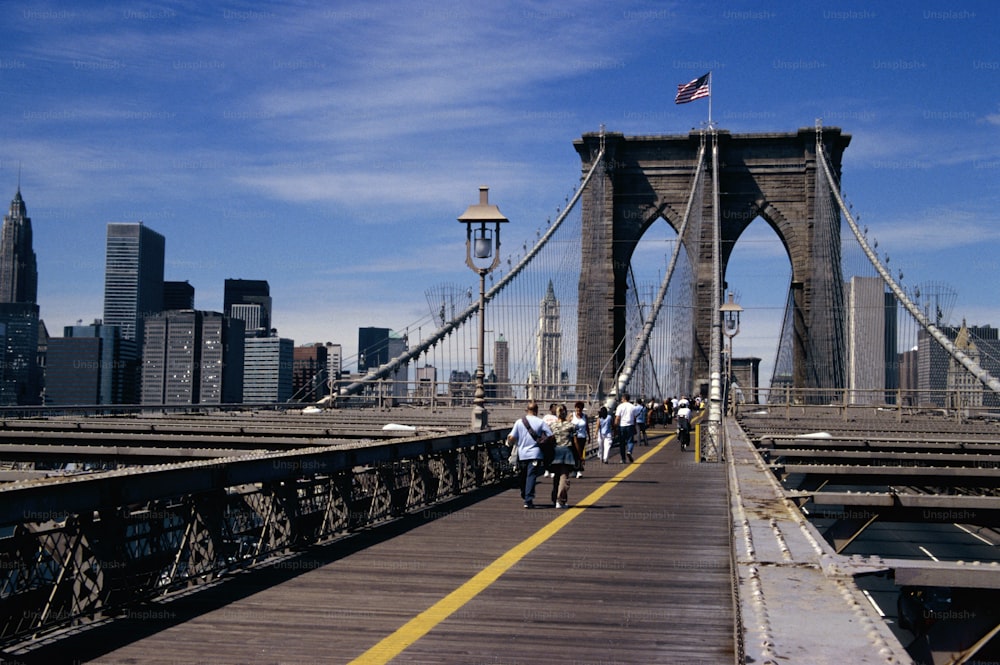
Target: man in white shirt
column 525, row 435
column 625, row 427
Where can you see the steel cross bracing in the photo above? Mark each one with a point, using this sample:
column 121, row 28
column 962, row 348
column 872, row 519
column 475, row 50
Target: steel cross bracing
column 448, row 327
column 968, row 363
column 87, row 547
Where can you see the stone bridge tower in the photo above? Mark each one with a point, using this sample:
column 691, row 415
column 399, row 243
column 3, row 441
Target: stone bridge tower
column 772, row 176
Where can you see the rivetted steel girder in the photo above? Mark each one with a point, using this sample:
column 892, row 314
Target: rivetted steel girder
column 887, row 474
column 12, row 452
column 205, row 438
column 944, row 574
column 886, row 499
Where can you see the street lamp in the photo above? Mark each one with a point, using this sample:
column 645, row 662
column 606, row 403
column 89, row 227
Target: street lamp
column 482, row 243
column 730, row 328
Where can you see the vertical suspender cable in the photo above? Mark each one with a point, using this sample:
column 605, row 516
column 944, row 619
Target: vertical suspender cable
column 449, row 326
column 711, row 451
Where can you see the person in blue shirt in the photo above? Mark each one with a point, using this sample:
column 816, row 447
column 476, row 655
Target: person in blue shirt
column 642, row 439
column 526, row 434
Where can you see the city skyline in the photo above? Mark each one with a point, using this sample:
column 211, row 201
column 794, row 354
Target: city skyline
column 334, row 167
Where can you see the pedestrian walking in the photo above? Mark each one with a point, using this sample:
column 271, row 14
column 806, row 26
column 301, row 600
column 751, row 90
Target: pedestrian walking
column 581, row 425
column 625, row 427
column 550, row 419
column 564, row 459
column 527, row 435
column 640, row 413
column 604, row 433
column 684, row 423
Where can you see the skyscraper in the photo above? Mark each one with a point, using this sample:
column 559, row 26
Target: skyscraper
column 186, row 357
column 866, row 339
column 171, row 357
column 222, row 351
column 373, row 348
column 84, row 366
column 549, row 345
column 335, row 359
column 309, row 372
column 178, row 295
column 133, row 291
column 20, row 380
column 18, row 268
column 398, row 345
column 255, row 294
column 376, row 347
column 501, row 365
column 267, row 376
column 20, row 377
column 74, row 371
column 133, row 278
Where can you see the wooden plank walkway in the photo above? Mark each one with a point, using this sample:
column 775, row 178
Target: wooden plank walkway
column 639, row 573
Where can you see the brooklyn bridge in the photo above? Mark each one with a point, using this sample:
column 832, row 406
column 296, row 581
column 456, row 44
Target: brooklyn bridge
column 843, row 509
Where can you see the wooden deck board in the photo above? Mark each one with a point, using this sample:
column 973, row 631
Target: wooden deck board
column 641, row 576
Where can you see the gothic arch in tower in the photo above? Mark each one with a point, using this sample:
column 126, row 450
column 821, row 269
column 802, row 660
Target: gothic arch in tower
column 774, row 176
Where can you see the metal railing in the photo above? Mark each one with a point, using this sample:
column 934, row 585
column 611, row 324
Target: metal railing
column 69, row 555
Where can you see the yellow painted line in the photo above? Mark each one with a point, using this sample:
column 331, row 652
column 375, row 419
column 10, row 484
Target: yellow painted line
column 423, row 623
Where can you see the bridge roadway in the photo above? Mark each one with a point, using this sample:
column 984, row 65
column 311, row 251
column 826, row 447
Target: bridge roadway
column 639, row 569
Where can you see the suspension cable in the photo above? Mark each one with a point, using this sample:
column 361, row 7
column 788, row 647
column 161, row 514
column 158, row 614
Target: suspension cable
column 968, row 363
column 387, row 369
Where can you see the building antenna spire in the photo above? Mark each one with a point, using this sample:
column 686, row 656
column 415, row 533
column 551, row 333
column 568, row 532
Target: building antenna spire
column 19, row 176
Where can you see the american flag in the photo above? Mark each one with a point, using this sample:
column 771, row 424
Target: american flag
column 696, row 89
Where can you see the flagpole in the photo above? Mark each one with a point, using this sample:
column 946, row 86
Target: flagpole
column 710, row 98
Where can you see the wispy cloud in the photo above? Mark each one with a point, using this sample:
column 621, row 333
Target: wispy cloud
column 939, row 229
column 329, row 147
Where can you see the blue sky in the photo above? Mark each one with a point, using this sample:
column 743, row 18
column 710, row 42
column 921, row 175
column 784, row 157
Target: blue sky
column 329, row 147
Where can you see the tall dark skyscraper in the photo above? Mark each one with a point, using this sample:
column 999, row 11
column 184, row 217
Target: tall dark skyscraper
column 20, row 377
column 178, row 295
column 373, row 347
column 133, row 278
column 18, row 269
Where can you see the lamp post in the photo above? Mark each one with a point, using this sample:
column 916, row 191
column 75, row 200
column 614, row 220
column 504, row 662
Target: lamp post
column 730, row 328
column 482, row 243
